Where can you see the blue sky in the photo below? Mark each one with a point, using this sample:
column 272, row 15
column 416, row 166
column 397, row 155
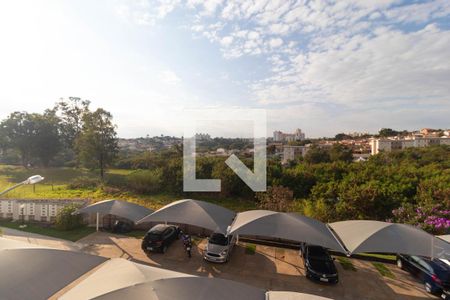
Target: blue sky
column 325, row 67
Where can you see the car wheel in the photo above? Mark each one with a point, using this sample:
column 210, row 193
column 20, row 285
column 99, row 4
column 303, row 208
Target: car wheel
column 428, row 287
column 399, row 263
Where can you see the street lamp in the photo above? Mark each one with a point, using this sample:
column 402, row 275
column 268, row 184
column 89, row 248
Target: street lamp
column 30, row 180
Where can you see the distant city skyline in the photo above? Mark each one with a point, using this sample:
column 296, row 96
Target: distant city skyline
column 325, row 68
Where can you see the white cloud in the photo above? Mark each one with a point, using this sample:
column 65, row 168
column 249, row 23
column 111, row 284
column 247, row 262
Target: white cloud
column 169, row 77
column 275, row 42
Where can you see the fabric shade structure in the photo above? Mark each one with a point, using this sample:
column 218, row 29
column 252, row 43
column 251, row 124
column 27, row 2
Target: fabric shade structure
column 445, row 237
column 288, row 226
column 187, row 288
column 31, row 273
column 116, row 274
column 374, row 236
column 276, row 295
column 123, row 209
column 194, row 212
column 14, row 244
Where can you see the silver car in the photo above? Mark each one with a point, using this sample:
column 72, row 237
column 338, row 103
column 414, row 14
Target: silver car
column 219, row 247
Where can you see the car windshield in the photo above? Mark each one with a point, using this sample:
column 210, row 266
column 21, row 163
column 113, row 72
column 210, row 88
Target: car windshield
column 318, row 253
column 154, row 236
column 218, row 239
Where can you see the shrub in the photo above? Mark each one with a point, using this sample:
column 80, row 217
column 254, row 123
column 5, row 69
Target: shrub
column 84, row 183
column 145, row 181
column 65, row 220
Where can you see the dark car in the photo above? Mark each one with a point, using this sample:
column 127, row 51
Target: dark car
column 434, row 273
column 160, row 237
column 318, row 264
column 122, row 227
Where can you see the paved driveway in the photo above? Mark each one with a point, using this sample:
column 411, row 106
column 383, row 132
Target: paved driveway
column 268, row 268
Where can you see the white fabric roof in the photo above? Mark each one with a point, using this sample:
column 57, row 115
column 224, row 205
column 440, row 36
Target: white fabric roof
column 288, row 226
column 188, row 288
column 14, row 244
column 273, row 295
column 31, row 273
column 124, row 209
column 445, row 237
column 116, row 274
column 375, row 236
column 194, row 212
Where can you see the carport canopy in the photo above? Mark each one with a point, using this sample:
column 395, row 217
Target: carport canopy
column 123, row 209
column 445, row 237
column 187, row 288
column 116, row 274
column 365, row 236
column 31, row 273
column 287, row 226
column 194, row 212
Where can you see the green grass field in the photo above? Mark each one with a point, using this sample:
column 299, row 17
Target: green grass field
column 57, row 180
column 383, row 270
column 70, row 235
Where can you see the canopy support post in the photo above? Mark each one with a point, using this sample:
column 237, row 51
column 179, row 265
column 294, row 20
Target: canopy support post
column 97, row 221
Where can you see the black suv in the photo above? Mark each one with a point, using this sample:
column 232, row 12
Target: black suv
column 159, row 238
column 434, row 273
column 318, row 264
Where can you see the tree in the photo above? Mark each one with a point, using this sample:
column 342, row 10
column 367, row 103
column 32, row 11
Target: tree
column 66, row 220
column 339, row 152
column 71, row 112
column 97, row 143
column 386, row 132
column 277, row 198
column 46, row 141
column 317, row 155
column 342, row 136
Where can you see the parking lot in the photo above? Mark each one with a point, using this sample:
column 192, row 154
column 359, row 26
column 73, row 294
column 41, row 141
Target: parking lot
column 267, row 267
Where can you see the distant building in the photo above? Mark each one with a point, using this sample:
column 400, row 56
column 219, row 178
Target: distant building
column 202, row 137
column 388, row 145
column 291, row 153
column 279, row 136
column 34, row 210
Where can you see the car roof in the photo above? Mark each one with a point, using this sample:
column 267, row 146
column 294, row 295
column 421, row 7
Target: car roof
column 160, row 228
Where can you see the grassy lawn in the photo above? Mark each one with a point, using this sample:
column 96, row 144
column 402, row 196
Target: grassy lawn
column 250, row 249
column 346, row 263
column 382, row 256
column 384, row 271
column 70, row 235
column 57, row 180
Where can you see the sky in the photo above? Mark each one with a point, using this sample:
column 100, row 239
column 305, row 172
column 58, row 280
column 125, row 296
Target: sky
column 323, row 66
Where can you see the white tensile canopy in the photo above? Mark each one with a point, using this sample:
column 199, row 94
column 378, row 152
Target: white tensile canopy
column 445, row 237
column 366, row 236
column 123, row 209
column 188, row 288
column 194, row 212
column 288, row 226
column 14, row 244
column 116, row 274
column 34, row 273
column 276, row 295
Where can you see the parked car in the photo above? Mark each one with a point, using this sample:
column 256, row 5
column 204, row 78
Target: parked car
column 434, row 273
column 319, row 265
column 160, row 237
column 218, row 248
column 121, row 227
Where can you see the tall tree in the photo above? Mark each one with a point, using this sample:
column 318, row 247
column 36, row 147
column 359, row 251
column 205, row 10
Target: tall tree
column 339, row 152
column 46, row 142
column 19, row 130
column 71, row 112
column 97, row 143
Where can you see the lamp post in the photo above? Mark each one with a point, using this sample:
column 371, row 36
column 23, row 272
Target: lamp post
column 30, row 180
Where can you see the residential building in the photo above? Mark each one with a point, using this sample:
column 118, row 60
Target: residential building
column 291, row 153
column 387, row 145
column 34, row 210
column 279, row 136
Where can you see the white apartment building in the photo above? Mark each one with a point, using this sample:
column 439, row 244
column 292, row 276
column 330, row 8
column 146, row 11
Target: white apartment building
column 34, row 210
column 279, row 136
column 388, row 145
